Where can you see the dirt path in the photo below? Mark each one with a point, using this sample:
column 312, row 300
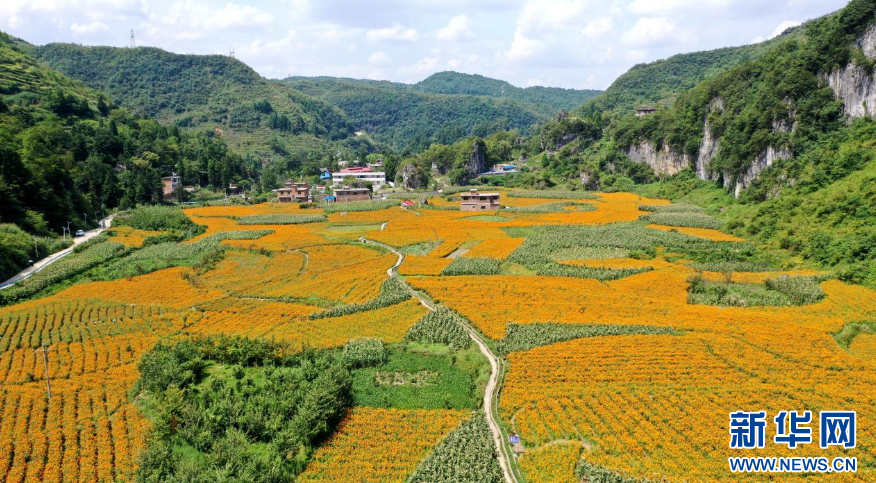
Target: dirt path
column 41, row 264
column 491, row 394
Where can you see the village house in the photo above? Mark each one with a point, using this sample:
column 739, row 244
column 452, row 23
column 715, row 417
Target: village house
column 294, row 192
column 363, row 174
column 645, row 110
column 170, row 184
column 345, row 193
column 475, row 201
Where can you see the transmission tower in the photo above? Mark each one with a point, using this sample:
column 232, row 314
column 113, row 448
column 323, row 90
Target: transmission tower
column 132, row 38
column 231, row 54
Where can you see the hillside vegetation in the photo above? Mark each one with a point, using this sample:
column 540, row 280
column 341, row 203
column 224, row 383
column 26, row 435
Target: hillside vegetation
column 68, row 154
column 659, row 82
column 443, row 108
column 213, row 92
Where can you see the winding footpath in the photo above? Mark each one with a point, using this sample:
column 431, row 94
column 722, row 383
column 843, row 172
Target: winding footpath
column 491, row 394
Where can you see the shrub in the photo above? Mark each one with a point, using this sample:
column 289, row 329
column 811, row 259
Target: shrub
column 586, row 471
column 442, row 326
column 777, row 292
column 365, row 352
column 280, row 219
column 156, row 218
column 472, row 266
column 801, row 290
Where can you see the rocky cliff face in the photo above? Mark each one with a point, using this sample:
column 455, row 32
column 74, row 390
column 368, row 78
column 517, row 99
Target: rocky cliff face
column 477, row 161
column 668, row 162
column 853, row 85
column 709, row 145
column 763, row 161
column 663, row 161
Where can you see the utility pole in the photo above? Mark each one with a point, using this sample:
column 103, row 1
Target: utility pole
column 45, row 350
column 132, row 38
column 86, row 220
column 36, row 250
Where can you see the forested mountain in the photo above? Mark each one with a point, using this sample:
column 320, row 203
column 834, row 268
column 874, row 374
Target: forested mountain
column 255, row 116
column 67, row 153
column 444, row 108
column 659, row 83
column 543, row 100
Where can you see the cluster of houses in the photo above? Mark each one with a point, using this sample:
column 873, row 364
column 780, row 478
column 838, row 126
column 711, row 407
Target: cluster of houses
column 300, row 192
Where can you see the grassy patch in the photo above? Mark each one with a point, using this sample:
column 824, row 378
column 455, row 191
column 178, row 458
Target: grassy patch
column 472, row 266
column 419, row 248
column 521, row 337
column 684, row 219
column 280, row 219
column 373, row 205
column 851, row 330
column 467, row 455
column 563, row 207
column 554, row 195
column 495, row 218
column 442, row 326
column 442, row 381
column 778, row 292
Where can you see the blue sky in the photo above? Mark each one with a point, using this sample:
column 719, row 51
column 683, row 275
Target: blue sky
column 563, row 43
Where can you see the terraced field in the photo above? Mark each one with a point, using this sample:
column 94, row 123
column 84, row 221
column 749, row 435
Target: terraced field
column 623, row 369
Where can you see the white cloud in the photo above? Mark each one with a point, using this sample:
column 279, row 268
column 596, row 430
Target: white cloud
column 663, row 7
column 598, row 27
column 89, row 28
column 378, row 57
column 425, row 65
column 205, row 18
column 523, row 47
column 654, row 30
column 458, row 29
column 396, row 32
column 541, row 16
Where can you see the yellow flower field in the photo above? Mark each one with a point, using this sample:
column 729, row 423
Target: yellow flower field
column 380, row 445
column 646, row 406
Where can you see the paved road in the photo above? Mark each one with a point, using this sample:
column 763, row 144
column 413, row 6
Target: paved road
column 36, row 267
column 491, row 394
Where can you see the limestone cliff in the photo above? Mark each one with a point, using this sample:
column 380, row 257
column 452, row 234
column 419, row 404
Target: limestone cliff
column 664, row 161
column 853, row 84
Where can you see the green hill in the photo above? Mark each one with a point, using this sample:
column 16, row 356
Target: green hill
column 444, row 108
column 214, row 92
column 546, row 101
column 659, row 83
column 67, row 155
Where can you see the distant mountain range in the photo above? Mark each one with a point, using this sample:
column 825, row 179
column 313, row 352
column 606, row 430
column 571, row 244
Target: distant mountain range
column 442, row 108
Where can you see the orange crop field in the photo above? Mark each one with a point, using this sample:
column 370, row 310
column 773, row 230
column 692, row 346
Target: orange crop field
column 641, row 405
column 380, row 445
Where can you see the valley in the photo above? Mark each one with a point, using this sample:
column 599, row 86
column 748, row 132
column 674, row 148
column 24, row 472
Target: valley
column 249, row 278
